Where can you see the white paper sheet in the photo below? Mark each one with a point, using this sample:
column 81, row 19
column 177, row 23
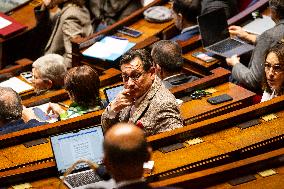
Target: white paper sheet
column 17, row 85
column 4, row 23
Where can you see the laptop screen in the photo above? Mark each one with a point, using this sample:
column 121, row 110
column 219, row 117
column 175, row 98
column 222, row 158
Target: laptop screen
column 112, row 92
column 213, row 27
column 72, row 146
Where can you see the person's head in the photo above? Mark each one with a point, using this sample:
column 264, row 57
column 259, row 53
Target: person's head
column 138, row 72
column 10, row 103
column 48, row 72
column 125, row 151
column 276, row 9
column 274, row 69
column 185, row 11
column 167, row 55
column 83, row 84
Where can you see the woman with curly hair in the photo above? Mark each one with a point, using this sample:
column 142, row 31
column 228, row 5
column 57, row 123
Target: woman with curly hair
column 273, row 84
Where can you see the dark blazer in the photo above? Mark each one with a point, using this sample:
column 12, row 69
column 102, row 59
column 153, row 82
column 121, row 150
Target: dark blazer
column 230, row 6
column 178, row 80
column 186, row 35
column 252, row 75
column 157, row 112
column 111, row 11
column 18, row 125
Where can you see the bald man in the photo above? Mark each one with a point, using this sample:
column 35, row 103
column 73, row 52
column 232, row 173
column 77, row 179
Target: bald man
column 125, row 151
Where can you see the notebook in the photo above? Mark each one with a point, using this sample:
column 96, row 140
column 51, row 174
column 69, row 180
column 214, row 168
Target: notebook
column 109, row 48
column 112, row 92
column 259, row 25
column 215, row 35
column 75, row 145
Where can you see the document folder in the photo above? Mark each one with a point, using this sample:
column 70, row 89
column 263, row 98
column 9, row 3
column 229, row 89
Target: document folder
column 9, row 26
column 109, row 48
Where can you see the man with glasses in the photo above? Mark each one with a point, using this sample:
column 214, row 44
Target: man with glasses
column 144, row 101
column 251, row 76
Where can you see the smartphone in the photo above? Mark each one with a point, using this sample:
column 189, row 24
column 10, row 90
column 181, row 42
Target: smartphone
column 27, row 76
column 129, row 31
column 41, row 114
column 203, row 56
column 219, row 99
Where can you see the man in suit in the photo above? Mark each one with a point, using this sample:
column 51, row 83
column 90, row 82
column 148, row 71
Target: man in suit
column 185, row 13
column 167, row 56
column 71, row 20
column 252, row 75
column 230, row 6
column 13, row 116
column 107, row 12
column 125, row 151
column 144, row 101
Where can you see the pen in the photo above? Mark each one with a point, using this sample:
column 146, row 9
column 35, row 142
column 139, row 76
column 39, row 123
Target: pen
column 64, row 105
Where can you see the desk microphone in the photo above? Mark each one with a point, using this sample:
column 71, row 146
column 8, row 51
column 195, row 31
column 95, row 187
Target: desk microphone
column 102, row 172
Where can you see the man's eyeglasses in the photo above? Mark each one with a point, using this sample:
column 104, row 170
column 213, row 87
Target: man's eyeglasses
column 276, row 68
column 135, row 77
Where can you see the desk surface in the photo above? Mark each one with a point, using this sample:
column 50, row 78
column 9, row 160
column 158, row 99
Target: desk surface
column 218, row 143
column 200, row 109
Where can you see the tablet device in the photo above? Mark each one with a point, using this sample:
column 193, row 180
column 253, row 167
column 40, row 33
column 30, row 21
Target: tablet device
column 112, row 92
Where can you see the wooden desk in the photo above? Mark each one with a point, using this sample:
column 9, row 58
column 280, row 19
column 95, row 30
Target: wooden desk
column 16, row 46
column 223, row 142
column 135, row 20
column 199, row 109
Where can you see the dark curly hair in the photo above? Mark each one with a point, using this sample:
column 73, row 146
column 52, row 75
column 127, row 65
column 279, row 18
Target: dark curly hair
column 278, row 49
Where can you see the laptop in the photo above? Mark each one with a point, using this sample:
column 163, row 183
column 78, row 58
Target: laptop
column 75, row 145
column 112, row 92
column 215, row 35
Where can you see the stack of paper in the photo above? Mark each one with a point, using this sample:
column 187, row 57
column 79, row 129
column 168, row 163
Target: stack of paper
column 109, row 48
column 17, row 85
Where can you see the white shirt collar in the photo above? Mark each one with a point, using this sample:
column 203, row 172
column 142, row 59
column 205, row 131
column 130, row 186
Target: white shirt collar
column 189, row 28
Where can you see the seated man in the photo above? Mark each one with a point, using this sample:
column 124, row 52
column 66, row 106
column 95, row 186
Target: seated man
column 144, row 101
column 125, row 151
column 11, row 117
column 48, row 73
column 230, row 6
column 107, row 12
column 251, row 76
column 167, row 55
column 185, row 13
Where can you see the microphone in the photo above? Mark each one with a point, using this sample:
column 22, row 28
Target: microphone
column 102, row 172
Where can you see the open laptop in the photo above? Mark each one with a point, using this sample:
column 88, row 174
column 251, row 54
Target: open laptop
column 83, row 144
column 215, row 35
column 112, row 92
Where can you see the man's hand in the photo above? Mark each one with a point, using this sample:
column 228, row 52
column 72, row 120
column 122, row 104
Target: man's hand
column 233, row 60
column 241, row 33
column 122, row 100
column 28, row 114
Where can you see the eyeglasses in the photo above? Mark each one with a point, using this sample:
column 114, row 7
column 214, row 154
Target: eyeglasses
column 276, row 68
column 135, row 77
